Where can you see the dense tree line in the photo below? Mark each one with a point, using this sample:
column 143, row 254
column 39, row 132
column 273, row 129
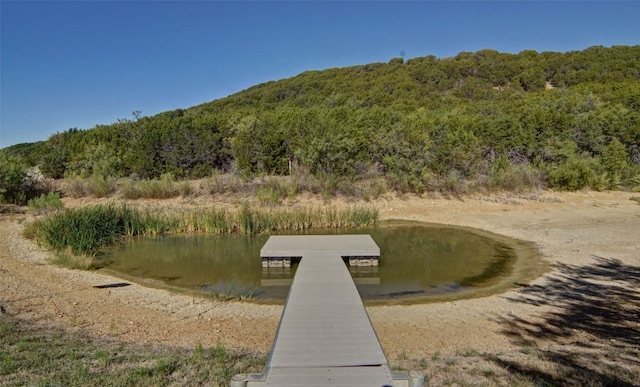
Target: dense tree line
column 571, row 118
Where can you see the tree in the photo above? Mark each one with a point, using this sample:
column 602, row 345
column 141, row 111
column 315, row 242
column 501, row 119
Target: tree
column 17, row 186
column 615, row 158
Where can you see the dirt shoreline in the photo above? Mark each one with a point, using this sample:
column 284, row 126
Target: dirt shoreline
column 572, row 230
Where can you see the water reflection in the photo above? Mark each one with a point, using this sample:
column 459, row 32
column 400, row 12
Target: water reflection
column 417, row 260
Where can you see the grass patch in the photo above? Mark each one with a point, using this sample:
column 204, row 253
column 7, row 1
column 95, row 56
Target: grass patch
column 527, row 350
column 75, row 262
column 234, row 290
column 45, row 356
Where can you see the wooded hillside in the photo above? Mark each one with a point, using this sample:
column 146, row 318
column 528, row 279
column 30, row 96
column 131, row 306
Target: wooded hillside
column 566, row 120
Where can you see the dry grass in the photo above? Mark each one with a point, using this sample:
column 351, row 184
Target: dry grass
column 601, row 364
column 32, row 355
column 591, row 338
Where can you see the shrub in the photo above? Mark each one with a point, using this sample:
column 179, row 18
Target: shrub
column 76, row 188
column 515, row 177
column 185, row 189
column 274, row 191
column 219, row 184
column 213, row 184
column 615, row 158
column 17, row 184
column 453, row 183
column 572, row 175
column 46, row 202
column 164, row 188
column 128, row 189
column 100, row 187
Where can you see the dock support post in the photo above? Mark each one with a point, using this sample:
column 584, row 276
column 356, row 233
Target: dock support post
column 416, row 379
column 239, row 380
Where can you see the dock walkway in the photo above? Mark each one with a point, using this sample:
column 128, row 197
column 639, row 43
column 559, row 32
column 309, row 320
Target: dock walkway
column 325, row 337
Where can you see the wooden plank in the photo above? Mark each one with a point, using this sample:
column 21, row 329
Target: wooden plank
column 325, row 337
column 357, row 245
column 324, row 323
column 331, row 376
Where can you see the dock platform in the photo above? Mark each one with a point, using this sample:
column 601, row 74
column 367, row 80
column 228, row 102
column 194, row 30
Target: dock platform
column 357, row 250
column 325, row 337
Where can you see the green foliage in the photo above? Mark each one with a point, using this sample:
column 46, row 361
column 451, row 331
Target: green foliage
column 100, row 186
column 420, row 124
column 258, row 147
column 46, row 202
column 58, row 152
column 17, row 184
column 96, row 160
column 273, row 193
column 614, row 158
column 84, row 231
column 30, row 154
column 456, row 148
column 573, row 174
column 12, row 177
column 163, row 188
column 515, row 178
column 333, row 155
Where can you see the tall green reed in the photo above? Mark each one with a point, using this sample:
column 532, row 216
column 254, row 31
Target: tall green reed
column 85, row 230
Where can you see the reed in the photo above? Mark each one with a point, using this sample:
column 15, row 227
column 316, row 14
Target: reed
column 208, row 221
column 83, row 231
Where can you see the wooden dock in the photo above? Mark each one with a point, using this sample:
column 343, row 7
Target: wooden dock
column 325, row 337
column 358, row 250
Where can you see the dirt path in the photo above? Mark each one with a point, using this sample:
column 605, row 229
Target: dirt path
column 575, row 230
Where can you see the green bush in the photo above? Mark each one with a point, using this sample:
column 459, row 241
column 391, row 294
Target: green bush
column 46, row 202
column 615, row 158
column 572, row 175
column 164, row 188
column 17, row 185
column 101, row 187
column 128, row 190
column 185, row 189
column 515, row 177
column 76, row 188
column 449, row 114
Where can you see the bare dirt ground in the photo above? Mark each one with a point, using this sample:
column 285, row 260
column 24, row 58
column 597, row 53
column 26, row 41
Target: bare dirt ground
column 590, row 296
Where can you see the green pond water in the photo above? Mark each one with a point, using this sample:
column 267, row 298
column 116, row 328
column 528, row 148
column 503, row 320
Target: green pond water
column 417, row 262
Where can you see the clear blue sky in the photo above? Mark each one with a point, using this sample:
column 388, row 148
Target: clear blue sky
column 78, row 64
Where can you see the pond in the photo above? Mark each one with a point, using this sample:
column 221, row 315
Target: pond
column 418, row 262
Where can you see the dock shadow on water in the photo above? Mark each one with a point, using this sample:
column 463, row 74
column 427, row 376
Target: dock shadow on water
column 419, row 262
column 592, row 336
